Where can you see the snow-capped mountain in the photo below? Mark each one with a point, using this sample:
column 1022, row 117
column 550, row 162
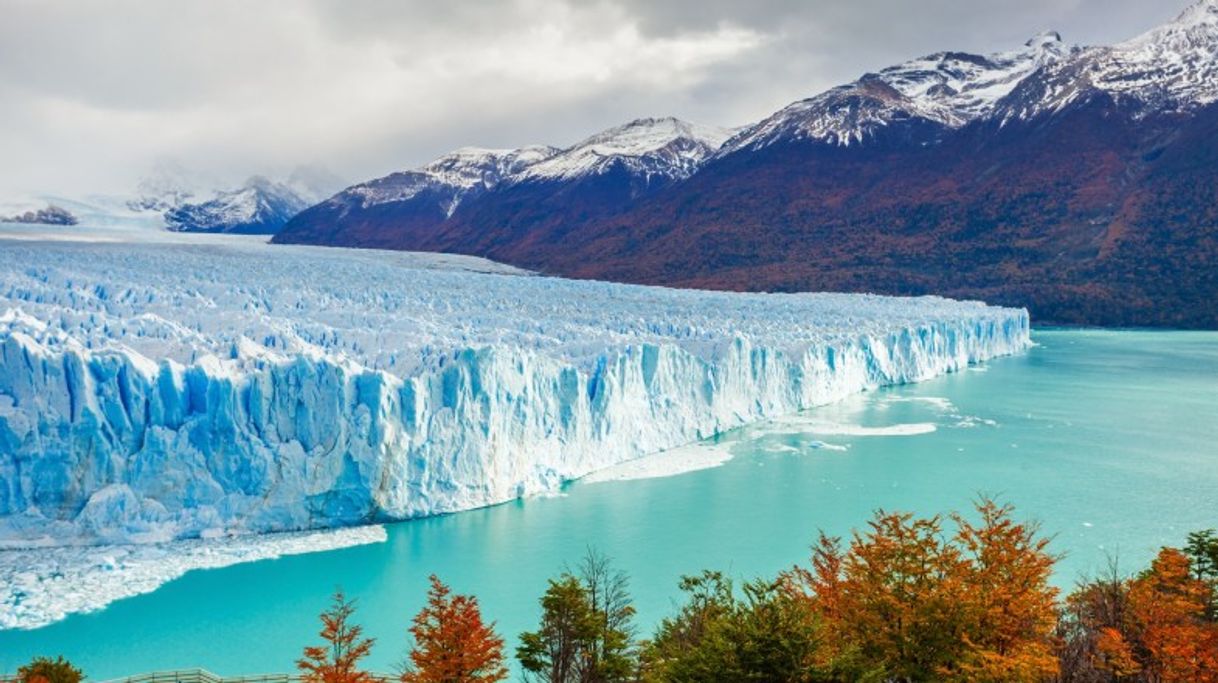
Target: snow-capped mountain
column 612, row 168
column 665, row 148
column 447, row 180
column 1049, row 175
column 260, row 206
column 1170, row 67
column 943, row 90
column 191, row 202
column 169, row 184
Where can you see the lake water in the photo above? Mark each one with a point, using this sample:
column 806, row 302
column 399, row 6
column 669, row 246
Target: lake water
column 1110, row 439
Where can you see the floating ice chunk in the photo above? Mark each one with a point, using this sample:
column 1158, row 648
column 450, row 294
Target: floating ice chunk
column 44, row 585
column 811, row 425
column 691, row 458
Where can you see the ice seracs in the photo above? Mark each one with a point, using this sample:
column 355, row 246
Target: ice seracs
column 151, row 391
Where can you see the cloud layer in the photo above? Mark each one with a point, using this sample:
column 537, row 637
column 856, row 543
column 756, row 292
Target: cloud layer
column 94, row 94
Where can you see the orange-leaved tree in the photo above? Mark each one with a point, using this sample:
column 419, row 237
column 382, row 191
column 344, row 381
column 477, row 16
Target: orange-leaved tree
column 1169, row 607
column 1151, row 628
column 47, row 670
column 892, row 604
column 1011, row 606
column 451, row 642
column 907, row 602
column 337, row 661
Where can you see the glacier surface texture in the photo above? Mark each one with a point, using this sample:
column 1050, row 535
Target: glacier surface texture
column 153, row 391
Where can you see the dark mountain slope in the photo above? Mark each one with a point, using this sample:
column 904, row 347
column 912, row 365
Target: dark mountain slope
column 1086, row 216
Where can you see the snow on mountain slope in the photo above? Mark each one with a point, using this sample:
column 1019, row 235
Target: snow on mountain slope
column 189, row 202
column 448, row 180
column 668, row 148
column 258, row 207
column 169, row 184
column 1171, row 67
column 948, row 89
column 150, row 391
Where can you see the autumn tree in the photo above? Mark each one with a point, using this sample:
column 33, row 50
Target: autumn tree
column 451, row 642
column 1092, row 632
column 1151, row 628
column 896, row 607
column 337, row 660
column 905, row 601
column 1011, row 608
column 1169, row 605
column 47, row 670
column 765, row 634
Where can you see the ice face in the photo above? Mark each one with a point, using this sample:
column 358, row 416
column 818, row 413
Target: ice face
column 151, row 391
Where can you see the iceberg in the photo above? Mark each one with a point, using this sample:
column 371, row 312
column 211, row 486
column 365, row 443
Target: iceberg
column 153, row 390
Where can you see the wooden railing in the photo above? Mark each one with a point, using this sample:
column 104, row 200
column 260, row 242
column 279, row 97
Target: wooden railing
column 205, row 676
column 202, row 676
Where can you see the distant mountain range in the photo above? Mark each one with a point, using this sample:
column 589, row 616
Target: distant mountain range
column 1081, row 182
column 259, row 206
column 51, row 215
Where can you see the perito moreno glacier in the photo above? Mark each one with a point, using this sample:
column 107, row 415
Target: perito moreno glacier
column 160, row 390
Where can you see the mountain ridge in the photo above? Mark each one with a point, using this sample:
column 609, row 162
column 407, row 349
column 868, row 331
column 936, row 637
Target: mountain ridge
column 1062, row 178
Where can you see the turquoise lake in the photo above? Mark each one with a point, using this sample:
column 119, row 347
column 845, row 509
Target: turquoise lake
column 1108, row 438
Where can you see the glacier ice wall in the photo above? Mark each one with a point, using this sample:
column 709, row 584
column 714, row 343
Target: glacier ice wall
column 158, row 391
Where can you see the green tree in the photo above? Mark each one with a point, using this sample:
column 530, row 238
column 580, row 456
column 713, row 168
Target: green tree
column 47, row 670
column 557, row 651
column 1202, row 551
column 586, row 633
column 611, row 656
column 766, row 634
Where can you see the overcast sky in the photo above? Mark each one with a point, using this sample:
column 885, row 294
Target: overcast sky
column 92, row 94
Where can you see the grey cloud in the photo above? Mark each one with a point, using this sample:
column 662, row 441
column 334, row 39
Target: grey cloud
column 93, row 93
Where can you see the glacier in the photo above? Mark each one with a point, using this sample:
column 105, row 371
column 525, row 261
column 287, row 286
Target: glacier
column 176, row 388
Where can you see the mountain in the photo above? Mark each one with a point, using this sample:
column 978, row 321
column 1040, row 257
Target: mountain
column 169, row 184
column 920, row 98
column 1081, row 182
column 51, row 215
column 650, row 151
column 260, row 206
column 538, row 190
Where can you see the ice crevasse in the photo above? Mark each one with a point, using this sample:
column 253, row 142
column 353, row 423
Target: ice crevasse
column 159, row 391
